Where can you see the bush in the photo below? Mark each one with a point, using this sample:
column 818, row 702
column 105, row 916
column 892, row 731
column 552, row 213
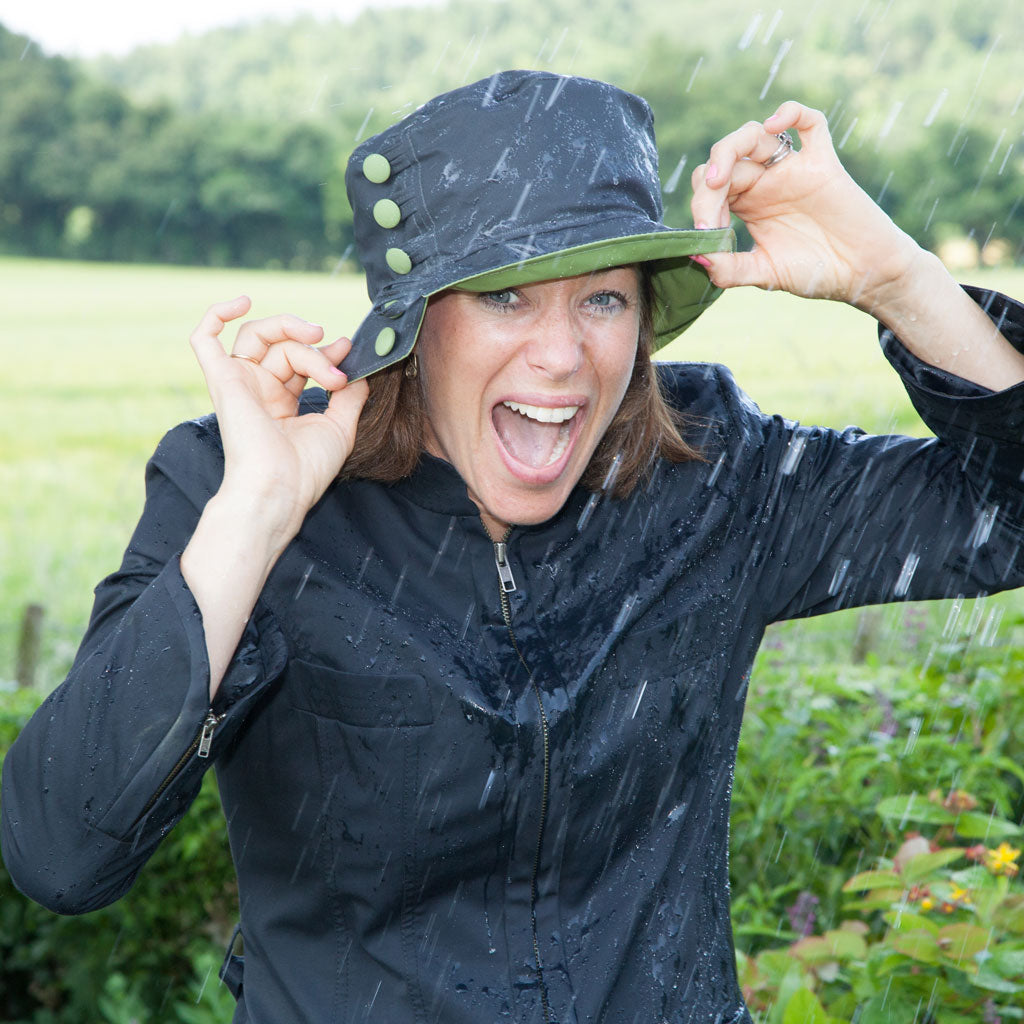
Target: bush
column 152, row 956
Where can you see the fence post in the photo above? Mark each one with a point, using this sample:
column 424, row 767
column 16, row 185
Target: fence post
column 29, row 644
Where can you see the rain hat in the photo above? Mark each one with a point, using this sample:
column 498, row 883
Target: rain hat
column 524, row 176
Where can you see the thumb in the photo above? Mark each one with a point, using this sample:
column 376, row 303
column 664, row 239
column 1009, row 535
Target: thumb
column 735, row 269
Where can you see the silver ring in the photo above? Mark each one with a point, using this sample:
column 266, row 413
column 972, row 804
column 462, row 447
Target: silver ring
column 785, row 148
column 248, row 359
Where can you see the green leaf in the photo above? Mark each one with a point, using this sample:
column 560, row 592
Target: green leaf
column 915, row 808
column 833, row 945
column 868, row 880
column 1007, row 963
column 804, row 1007
column 906, row 921
column 920, row 946
column 986, row 978
column 972, row 825
column 920, row 867
column 1010, row 915
column 961, row 942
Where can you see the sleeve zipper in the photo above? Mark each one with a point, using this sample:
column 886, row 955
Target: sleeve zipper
column 200, row 746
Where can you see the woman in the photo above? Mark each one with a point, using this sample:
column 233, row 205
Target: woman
column 474, row 704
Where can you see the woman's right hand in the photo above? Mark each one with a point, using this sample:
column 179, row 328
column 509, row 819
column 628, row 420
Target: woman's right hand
column 277, row 462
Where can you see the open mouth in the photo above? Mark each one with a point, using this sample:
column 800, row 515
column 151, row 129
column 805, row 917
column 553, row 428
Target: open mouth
column 535, row 435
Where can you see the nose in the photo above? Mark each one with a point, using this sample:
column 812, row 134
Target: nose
column 555, row 349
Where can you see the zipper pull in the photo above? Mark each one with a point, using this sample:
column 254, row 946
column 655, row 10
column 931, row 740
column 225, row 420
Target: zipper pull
column 206, row 736
column 508, row 582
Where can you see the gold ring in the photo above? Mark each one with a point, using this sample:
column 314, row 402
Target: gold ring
column 248, row 359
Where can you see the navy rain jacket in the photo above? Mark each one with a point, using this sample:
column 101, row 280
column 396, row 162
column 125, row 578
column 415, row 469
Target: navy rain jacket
column 472, row 784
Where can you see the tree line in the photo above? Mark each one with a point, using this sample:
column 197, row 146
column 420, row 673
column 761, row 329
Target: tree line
column 228, row 148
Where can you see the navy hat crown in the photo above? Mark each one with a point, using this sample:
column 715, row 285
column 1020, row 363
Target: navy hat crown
column 496, row 175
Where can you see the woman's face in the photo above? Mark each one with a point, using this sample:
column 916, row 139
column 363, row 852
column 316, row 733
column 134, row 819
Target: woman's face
column 520, row 386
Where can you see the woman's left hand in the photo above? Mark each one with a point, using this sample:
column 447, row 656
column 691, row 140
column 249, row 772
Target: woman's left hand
column 816, row 232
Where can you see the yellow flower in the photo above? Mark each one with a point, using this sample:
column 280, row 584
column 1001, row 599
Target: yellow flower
column 958, row 895
column 927, row 903
column 1001, row 860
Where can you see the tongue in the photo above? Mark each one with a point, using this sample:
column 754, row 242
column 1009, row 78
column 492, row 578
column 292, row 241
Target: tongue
column 527, row 440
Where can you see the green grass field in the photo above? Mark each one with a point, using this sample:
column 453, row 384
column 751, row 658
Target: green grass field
column 97, row 366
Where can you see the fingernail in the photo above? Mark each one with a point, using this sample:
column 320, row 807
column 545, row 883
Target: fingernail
column 703, row 226
column 702, row 260
column 711, row 171
column 774, row 117
column 335, row 370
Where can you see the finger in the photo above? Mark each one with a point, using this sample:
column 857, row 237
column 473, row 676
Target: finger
column 710, row 206
column 205, row 338
column 287, row 360
column 752, row 141
column 255, row 337
column 344, row 408
column 733, row 269
column 810, row 124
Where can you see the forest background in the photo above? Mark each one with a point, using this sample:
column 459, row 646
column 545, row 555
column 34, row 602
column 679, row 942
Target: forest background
column 226, row 151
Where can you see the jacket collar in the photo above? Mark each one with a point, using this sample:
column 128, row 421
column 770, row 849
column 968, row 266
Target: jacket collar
column 436, row 486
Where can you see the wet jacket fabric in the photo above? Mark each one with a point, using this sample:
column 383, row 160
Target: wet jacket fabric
column 431, row 822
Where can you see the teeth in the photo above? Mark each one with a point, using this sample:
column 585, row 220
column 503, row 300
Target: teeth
column 543, row 413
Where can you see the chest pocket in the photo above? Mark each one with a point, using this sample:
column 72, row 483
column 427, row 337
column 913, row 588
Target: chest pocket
column 357, row 698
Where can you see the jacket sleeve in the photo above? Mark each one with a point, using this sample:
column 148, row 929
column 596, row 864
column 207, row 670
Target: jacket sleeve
column 845, row 518
column 108, row 763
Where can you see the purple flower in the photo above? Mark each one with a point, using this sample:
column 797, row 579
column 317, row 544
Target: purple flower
column 801, row 914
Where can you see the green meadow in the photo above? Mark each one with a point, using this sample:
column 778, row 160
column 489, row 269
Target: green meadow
column 97, row 366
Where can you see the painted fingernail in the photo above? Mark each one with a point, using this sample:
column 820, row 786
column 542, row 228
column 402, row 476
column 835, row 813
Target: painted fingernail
column 337, row 372
column 702, row 260
column 703, row 225
column 711, row 171
column 773, row 117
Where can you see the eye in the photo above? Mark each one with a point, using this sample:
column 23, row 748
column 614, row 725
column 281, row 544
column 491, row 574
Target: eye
column 607, row 301
column 505, row 299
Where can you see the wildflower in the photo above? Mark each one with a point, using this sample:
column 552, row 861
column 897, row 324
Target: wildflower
column 959, row 800
column 1002, row 860
column 976, row 853
column 927, row 903
column 801, row 913
column 947, row 907
column 958, row 895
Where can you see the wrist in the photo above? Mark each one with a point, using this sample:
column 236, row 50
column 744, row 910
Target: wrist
column 261, row 525
column 906, row 291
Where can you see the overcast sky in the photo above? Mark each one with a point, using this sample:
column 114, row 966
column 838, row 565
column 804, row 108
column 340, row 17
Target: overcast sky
column 91, row 27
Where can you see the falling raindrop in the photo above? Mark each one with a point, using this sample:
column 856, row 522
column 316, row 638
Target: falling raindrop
column 839, row 577
column 794, row 452
column 748, row 36
column 906, row 574
column 362, row 127
column 776, row 64
column 487, row 790
column 673, row 181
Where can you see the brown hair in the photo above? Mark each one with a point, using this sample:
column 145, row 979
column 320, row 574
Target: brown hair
column 389, row 438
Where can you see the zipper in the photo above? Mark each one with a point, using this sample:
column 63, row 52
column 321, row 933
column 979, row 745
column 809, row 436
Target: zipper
column 200, row 746
column 507, row 585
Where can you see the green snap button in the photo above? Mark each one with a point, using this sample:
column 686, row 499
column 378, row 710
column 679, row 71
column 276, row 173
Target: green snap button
column 388, row 311
column 376, row 168
column 385, row 341
column 398, row 260
column 386, row 213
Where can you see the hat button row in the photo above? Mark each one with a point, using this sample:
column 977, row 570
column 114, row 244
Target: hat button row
column 386, row 212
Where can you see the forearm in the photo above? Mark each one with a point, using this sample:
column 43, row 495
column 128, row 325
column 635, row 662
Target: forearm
column 941, row 325
column 226, row 564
